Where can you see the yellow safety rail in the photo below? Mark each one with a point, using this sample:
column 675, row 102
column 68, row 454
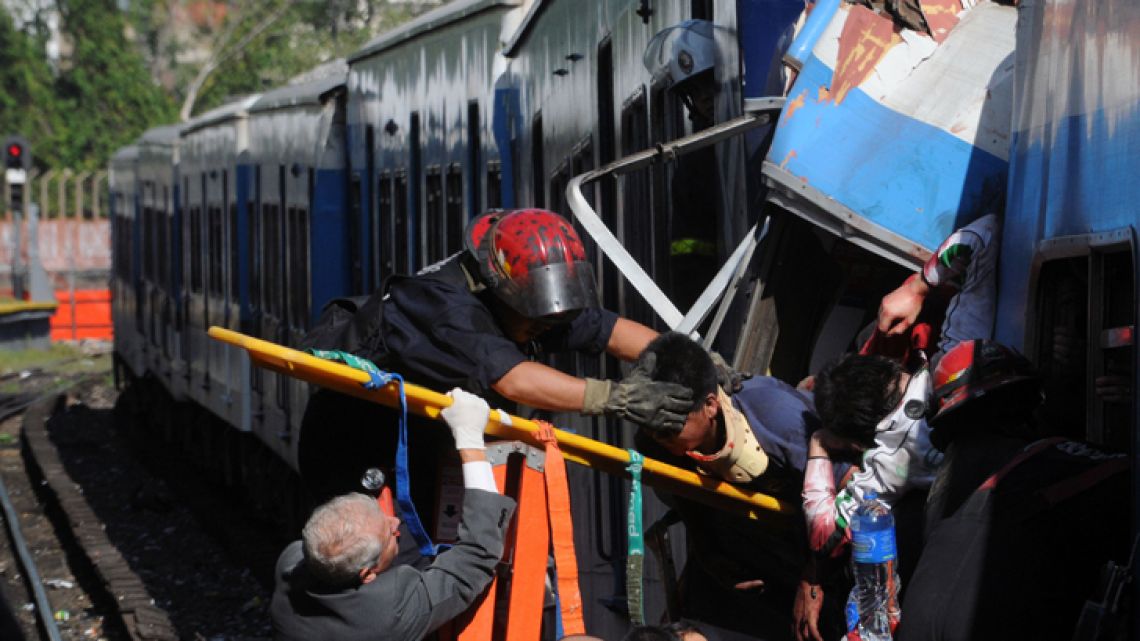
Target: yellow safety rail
column 579, row 449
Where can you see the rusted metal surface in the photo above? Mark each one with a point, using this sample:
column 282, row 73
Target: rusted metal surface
column 143, row 620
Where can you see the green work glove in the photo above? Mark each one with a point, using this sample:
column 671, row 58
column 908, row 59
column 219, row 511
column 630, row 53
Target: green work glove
column 657, row 405
column 730, row 380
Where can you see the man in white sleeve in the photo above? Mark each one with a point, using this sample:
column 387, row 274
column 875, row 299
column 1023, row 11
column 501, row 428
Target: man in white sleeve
column 338, row 581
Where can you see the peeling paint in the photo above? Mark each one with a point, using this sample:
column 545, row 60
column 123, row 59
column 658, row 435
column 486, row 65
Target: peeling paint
column 941, row 16
column 792, row 107
column 787, row 159
column 824, row 94
column 865, row 40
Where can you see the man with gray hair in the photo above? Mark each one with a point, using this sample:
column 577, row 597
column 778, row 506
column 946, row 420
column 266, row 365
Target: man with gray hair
column 338, row 581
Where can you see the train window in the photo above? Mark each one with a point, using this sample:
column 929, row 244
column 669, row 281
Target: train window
column 269, row 261
column 637, row 228
column 374, row 215
column 215, row 250
column 606, row 135
column 474, row 159
column 298, row 267
column 494, row 184
column 433, row 225
column 231, row 237
column 384, row 246
column 537, row 169
column 455, row 216
column 401, row 242
column 148, row 252
column 195, row 248
column 1084, row 332
column 701, row 9
column 253, row 255
column 416, row 170
column 167, row 235
column 235, row 255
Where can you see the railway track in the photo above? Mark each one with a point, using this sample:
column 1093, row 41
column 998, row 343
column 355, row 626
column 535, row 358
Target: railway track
column 126, row 543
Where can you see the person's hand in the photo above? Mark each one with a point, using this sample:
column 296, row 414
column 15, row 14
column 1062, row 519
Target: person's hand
column 900, row 308
column 730, row 380
column 657, row 405
column 807, row 384
column 1114, row 388
column 467, row 417
column 805, row 612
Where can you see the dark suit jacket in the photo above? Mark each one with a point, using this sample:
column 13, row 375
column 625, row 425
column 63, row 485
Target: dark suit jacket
column 402, row 603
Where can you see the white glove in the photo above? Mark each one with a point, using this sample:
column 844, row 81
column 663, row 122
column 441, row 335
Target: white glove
column 467, row 417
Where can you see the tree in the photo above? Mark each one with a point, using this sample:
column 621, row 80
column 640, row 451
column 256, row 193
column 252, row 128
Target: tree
column 28, row 103
column 109, row 96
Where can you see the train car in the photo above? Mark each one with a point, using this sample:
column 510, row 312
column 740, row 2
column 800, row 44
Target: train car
column 210, row 148
column 1068, row 276
column 419, row 124
column 121, row 193
column 879, row 153
column 158, row 288
column 293, row 235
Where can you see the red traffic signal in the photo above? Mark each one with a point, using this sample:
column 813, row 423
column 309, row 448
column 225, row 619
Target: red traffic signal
column 16, row 153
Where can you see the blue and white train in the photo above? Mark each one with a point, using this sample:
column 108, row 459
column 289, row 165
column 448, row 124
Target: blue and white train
column 253, row 215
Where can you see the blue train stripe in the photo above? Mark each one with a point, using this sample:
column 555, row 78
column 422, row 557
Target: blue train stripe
column 910, row 177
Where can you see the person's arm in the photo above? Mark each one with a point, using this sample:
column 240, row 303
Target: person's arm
column 542, row 387
column 456, row 578
column 948, row 266
column 825, row 532
column 629, row 339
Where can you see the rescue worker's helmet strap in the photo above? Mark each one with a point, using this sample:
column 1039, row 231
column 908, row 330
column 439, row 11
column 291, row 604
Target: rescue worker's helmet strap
column 974, row 368
column 534, row 261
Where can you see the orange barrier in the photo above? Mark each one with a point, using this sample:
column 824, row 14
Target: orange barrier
column 87, row 316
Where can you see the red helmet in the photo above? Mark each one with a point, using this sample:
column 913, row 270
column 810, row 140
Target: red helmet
column 974, row 368
column 533, row 260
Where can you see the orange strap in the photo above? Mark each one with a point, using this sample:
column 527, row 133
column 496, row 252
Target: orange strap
column 531, row 550
column 477, row 624
column 562, row 532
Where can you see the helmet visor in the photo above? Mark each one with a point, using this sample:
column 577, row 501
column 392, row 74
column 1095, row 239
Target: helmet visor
column 553, row 291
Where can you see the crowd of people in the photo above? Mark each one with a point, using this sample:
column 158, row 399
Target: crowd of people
column 937, row 421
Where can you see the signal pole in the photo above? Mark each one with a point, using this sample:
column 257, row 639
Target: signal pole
column 17, row 161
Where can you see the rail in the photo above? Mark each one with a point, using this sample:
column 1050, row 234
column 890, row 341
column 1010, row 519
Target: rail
column 757, row 113
column 577, row 449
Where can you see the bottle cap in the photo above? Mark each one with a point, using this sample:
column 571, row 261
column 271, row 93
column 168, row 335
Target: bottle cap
column 870, row 496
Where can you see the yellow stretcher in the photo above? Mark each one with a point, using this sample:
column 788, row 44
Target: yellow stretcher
column 579, row 449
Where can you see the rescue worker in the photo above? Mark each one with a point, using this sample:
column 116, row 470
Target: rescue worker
column 339, row 582
column 874, row 412
column 481, row 320
column 756, row 437
column 1018, row 530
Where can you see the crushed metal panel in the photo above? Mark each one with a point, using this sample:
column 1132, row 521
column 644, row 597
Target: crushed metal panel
column 898, row 132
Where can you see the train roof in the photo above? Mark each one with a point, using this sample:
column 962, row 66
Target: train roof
column 314, row 92
column 217, row 115
column 430, row 21
column 161, row 135
column 126, row 154
column 523, row 29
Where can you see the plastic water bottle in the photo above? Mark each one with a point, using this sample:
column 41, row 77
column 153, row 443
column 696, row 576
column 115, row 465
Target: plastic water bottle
column 873, row 603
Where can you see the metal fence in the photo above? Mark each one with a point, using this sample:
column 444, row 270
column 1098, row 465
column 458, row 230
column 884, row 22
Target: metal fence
column 63, row 193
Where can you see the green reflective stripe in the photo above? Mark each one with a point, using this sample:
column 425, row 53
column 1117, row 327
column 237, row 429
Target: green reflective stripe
column 951, row 253
column 692, row 247
column 352, row 360
column 635, row 557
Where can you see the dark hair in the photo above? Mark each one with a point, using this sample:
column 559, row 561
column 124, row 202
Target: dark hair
column 681, row 360
column 682, row 627
column 854, row 393
column 650, row 633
